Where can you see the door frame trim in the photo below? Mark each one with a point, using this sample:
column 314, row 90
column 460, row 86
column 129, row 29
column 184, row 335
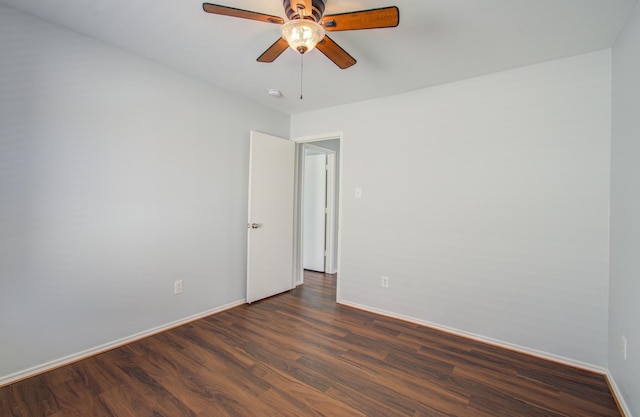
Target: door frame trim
column 330, row 200
column 300, row 141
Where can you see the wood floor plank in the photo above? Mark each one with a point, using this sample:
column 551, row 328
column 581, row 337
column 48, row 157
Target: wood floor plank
column 300, row 354
column 8, row 402
column 76, row 400
column 299, row 398
column 33, row 397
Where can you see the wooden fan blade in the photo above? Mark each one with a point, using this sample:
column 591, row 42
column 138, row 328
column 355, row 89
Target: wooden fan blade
column 244, row 14
column 386, row 17
column 334, row 52
column 274, row 51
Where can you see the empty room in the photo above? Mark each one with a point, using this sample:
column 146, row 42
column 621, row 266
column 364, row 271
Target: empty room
column 319, row 208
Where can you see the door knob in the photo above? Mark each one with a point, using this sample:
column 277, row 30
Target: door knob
column 253, row 225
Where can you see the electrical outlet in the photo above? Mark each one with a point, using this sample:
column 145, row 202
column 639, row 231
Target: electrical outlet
column 623, row 348
column 177, row 287
column 384, row 282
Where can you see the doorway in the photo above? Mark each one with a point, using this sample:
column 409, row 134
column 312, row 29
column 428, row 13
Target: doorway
column 318, row 224
column 318, row 209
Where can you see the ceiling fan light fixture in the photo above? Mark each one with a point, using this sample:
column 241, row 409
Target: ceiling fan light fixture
column 302, row 35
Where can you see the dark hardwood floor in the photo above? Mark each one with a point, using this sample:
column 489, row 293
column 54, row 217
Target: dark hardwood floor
column 300, row 354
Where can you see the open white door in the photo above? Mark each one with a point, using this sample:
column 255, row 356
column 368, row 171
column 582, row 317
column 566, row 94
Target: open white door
column 314, row 210
column 271, row 207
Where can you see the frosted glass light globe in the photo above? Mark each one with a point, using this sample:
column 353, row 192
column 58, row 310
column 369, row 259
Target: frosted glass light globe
column 302, row 35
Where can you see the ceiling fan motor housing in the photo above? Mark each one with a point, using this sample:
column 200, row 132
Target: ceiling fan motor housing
column 296, row 9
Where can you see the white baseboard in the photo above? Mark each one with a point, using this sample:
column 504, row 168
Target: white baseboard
column 38, row 369
column 499, row 343
column 622, row 405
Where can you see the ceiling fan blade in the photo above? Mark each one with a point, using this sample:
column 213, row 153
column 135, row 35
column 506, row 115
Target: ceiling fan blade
column 334, row 52
column 244, row 14
column 386, row 17
column 274, row 51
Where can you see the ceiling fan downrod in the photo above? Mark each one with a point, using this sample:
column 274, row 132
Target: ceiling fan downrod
column 304, row 9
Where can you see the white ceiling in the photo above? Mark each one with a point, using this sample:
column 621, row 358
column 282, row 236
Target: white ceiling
column 437, row 41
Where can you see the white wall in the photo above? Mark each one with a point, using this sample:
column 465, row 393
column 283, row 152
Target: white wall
column 486, row 202
column 117, row 177
column 624, row 313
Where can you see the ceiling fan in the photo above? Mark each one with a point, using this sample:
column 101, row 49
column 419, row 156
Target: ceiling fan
column 307, row 25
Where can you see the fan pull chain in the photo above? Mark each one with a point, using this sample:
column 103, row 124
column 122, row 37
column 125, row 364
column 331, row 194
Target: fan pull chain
column 301, row 73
